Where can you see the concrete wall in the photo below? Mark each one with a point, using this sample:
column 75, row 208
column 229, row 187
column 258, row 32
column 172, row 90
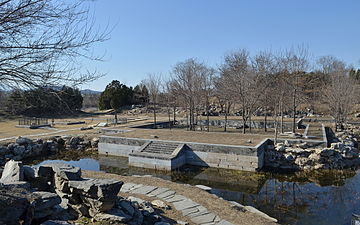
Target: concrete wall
column 119, row 146
column 157, row 163
column 201, row 154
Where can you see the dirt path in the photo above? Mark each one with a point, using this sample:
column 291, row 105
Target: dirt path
column 216, row 205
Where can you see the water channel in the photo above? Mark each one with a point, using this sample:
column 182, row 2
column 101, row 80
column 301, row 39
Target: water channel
column 299, row 198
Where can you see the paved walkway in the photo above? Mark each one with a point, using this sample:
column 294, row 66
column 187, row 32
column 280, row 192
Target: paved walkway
column 194, row 211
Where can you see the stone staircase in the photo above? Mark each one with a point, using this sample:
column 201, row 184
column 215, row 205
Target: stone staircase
column 163, row 155
column 160, row 148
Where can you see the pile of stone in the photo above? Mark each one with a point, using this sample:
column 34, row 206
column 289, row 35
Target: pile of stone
column 58, row 192
column 342, row 154
column 26, row 148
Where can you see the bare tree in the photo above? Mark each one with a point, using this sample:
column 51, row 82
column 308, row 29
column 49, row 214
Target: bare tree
column 243, row 82
column 341, row 95
column 153, row 84
column 42, row 41
column 188, row 82
column 294, row 62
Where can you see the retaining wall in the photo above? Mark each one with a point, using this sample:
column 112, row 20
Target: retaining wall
column 248, row 158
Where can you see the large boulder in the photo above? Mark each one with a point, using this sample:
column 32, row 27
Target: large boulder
column 61, row 170
column 15, row 207
column 23, row 141
column 13, row 171
column 44, row 204
column 96, row 188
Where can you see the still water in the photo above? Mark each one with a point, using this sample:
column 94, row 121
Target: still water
column 299, row 198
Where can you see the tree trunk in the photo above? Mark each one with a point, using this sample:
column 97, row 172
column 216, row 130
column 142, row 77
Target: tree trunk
column 250, row 123
column 265, row 122
column 169, row 115
column 294, row 112
column 207, row 115
column 174, row 113
column 154, row 116
column 116, row 119
column 244, row 120
column 226, row 116
column 282, row 118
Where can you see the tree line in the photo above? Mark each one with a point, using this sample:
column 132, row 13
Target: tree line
column 269, row 84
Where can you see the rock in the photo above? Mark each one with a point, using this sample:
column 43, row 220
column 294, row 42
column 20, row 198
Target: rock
column 126, row 207
column 303, row 145
column 162, row 223
column 15, row 206
column 17, row 184
column 4, row 150
column 13, row 171
column 258, row 212
column 44, row 204
column 98, row 205
column 96, row 188
column 23, row 141
column 160, row 204
column 19, row 150
column 113, row 216
column 65, row 171
column 29, row 173
column 327, row 152
column 203, row 187
column 94, row 142
column 55, row 222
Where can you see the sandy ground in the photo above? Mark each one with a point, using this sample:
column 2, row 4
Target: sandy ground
column 211, row 202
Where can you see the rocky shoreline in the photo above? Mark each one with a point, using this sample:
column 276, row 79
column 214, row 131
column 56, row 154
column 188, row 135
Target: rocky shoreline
column 343, row 153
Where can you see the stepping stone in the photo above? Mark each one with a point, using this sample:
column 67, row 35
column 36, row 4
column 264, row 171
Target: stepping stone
column 165, row 194
column 143, row 190
column 157, row 191
column 169, row 197
column 224, row 222
column 186, row 212
column 176, row 198
column 201, row 211
column 203, row 219
column 217, row 219
column 136, row 187
column 127, row 187
column 187, row 203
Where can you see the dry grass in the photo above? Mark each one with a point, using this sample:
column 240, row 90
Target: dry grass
column 209, row 201
column 196, row 136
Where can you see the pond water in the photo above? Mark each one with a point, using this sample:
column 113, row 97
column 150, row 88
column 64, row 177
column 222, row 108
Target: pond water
column 297, row 198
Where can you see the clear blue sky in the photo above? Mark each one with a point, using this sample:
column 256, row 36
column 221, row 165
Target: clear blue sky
column 151, row 36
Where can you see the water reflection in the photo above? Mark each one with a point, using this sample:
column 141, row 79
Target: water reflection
column 299, row 198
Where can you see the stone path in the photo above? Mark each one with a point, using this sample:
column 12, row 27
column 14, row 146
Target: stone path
column 194, row 211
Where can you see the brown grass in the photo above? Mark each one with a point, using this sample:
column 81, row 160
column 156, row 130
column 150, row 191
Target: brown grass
column 196, row 136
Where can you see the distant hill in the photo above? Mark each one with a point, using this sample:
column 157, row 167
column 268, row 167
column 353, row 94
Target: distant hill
column 88, row 91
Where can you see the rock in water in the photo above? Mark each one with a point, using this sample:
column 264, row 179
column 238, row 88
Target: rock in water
column 13, row 171
column 62, row 170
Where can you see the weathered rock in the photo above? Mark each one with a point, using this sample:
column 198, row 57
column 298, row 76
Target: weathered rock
column 4, row 150
column 96, row 188
column 13, row 171
column 113, row 216
column 94, row 142
column 55, row 222
column 17, row 184
column 327, row 152
column 23, row 141
column 15, row 206
column 64, row 171
column 44, row 204
column 98, row 205
column 29, row 172
column 126, row 207
column 160, row 204
column 19, row 150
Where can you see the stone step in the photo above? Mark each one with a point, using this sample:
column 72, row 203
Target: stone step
column 160, row 148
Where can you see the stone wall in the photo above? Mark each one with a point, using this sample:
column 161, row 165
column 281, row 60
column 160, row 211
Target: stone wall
column 249, row 158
